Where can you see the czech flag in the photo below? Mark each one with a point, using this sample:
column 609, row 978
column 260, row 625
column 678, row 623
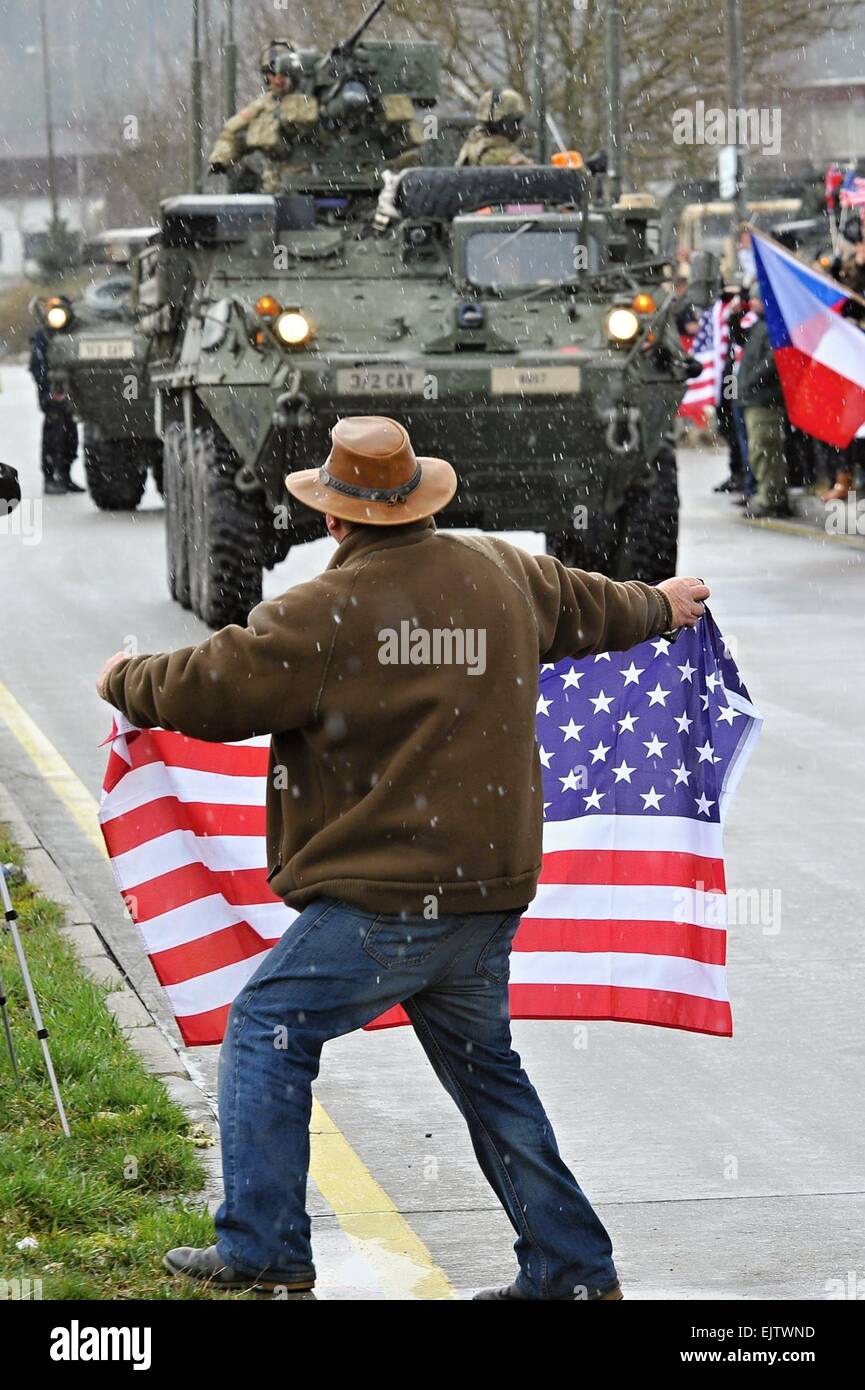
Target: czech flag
column 820, row 354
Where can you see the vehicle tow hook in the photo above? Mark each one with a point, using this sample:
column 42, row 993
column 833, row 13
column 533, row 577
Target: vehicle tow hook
column 292, row 409
column 623, row 430
column 245, row 479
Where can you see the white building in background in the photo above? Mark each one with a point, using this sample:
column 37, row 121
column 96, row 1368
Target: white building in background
column 825, row 118
column 822, row 100
column 23, row 220
column 25, row 209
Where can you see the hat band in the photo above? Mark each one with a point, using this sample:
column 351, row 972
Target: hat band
column 370, row 494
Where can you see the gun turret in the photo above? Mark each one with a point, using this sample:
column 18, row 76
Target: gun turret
column 335, row 73
column 347, row 46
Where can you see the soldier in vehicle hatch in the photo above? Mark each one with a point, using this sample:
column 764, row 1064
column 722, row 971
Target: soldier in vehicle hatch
column 290, row 128
column 273, row 125
column 494, row 139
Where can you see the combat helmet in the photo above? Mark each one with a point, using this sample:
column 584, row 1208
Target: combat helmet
column 280, row 58
column 500, row 106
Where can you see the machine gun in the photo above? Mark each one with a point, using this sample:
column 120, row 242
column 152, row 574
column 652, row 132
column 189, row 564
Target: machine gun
column 341, row 90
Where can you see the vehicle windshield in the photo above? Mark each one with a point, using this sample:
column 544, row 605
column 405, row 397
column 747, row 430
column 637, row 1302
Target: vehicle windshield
column 526, row 256
column 109, row 294
column 714, row 231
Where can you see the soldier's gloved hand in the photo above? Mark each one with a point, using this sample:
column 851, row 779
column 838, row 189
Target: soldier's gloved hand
column 217, row 168
column 686, row 597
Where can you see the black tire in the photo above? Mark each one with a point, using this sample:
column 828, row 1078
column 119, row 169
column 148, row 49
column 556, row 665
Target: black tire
column 157, row 470
column 176, row 513
column 229, row 537
column 442, row 193
column 641, row 540
column 649, row 523
column 116, row 472
column 591, row 549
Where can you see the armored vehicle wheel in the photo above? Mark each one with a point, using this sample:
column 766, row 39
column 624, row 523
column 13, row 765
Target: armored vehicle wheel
column 575, row 551
column 157, row 469
column 173, row 470
column 228, row 538
column 649, row 523
column 638, row 542
column 116, row 472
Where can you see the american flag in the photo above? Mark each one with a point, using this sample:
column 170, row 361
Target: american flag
column 852, row 191
column 710, row 346
column 640, row 753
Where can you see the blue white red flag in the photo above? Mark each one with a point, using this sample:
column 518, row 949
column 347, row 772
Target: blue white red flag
column 640, row 752
column 820, row 354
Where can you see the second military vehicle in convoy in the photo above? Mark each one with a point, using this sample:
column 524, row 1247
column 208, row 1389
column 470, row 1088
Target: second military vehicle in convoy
column 514, row 326
column 97, row 357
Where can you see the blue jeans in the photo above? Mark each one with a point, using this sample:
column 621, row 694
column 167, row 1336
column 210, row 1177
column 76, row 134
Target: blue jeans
column 335, row 969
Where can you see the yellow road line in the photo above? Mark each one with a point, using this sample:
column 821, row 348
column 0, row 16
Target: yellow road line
column 78, row 801
column 401, row 1262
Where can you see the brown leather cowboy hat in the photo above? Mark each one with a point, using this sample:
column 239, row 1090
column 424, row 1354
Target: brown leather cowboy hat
column 373, row 476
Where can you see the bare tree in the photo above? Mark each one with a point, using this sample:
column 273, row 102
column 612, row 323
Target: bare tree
column 674, row 53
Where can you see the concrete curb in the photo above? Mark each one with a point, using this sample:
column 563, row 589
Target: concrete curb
column 143, row 1034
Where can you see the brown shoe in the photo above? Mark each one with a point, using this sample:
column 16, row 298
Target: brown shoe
column 208, row 1266
column 612, row 1295
column 838, row 493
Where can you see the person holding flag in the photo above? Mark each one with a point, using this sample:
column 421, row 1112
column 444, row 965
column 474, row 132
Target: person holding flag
column 404, row 823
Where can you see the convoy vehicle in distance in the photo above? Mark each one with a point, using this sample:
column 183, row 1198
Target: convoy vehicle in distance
column 97, row 357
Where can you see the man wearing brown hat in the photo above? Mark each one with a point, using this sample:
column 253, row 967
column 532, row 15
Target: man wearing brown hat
column 404, row 824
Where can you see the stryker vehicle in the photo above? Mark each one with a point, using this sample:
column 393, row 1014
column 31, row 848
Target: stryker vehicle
column 512, row 326
column 96, row 355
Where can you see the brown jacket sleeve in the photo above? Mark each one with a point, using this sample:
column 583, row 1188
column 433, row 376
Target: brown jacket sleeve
column 242, row 681
column 580, row 612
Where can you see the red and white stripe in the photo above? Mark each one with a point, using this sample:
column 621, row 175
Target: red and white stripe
column 629, row 921
column 705, row 390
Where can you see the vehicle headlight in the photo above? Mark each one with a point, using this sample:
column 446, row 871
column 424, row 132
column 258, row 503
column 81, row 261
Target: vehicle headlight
column 292, row 327
column 622, row 325
column 58, row 314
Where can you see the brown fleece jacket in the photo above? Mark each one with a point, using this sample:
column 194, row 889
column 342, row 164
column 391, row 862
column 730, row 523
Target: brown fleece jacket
column 389, row 783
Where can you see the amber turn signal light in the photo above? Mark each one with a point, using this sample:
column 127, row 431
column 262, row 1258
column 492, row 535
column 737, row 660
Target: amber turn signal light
column 644, row 304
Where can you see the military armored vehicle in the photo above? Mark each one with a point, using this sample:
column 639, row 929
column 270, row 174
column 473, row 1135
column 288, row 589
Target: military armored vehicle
column 97, row 356
column 512, row 326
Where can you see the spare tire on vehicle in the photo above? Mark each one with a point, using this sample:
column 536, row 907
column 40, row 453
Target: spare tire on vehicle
column 442, row 193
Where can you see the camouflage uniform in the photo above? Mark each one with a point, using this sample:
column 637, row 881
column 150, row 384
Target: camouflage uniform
column 493, row 141
column 482, row 148
column 404, row 133
column 277, row 126
column 273, row 124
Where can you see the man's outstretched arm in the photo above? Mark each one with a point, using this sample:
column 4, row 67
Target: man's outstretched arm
column 242, row 681
column 580, row 612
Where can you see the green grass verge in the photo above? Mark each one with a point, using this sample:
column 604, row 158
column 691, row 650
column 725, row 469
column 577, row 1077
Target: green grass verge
column 106, row 1204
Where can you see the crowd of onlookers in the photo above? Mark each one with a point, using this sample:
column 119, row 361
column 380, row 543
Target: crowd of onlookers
column 767, row 454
